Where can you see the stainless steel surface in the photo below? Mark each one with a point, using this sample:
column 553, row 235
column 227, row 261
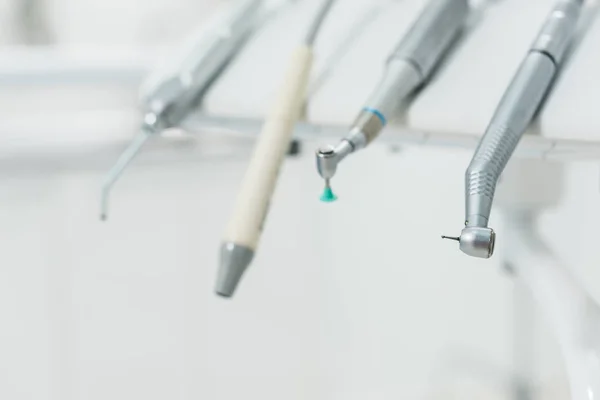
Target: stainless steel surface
column 407, row 68
column 370, row 126
column 557, row 32
column 477, row 242
column 234, row 261
column 513, row 115
column 432, row 34
column 357, row 138
column 328, row 157
column 175, row 96
column 400, row 79
column 169, row 100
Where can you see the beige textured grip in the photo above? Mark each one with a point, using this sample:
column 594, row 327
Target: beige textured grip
column 252, row 204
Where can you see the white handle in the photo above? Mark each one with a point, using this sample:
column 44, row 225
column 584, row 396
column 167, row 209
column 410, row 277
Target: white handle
column 252, row 204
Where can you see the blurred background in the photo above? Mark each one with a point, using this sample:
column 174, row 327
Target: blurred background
column 357, row 300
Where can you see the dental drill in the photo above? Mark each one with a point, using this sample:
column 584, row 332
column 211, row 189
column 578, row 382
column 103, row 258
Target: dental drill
column 171, row 97
column 408, row 67
column 252, row 205
column 511, row 119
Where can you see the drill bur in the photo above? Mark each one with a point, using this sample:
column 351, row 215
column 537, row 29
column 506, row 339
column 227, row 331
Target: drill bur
column 455, row 238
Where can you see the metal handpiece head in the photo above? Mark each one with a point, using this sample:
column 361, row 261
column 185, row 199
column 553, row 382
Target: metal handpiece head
column 328, row 158
column 476, row 241
column 327, row 165
column 327, row 162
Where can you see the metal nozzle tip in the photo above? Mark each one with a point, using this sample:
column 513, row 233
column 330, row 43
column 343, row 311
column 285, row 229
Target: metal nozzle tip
column 234, row 261
column 327, row 161
column 103, row 217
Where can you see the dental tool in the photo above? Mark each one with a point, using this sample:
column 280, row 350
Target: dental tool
column 245, row 227
column 408, row 67
column 511, row 119
column 172, row 96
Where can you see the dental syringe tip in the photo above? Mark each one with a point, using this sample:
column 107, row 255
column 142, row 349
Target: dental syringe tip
column 103, row 217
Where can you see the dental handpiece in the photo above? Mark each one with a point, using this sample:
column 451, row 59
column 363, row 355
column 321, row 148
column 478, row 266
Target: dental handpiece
column 407, row 68
column 169, row 97
column 511, row 119
column 245, row 227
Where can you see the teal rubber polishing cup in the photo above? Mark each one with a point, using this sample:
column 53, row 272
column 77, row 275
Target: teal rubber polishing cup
column 328, row 195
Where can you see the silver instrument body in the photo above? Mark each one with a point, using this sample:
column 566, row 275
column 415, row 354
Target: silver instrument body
column 174, row 96
column 408, row 67
column 511, row 119
column 168, row 98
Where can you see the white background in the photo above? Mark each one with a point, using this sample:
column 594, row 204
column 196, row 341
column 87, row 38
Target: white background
column 354, row 300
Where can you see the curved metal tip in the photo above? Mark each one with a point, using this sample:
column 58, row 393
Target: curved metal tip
column 117, row 170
